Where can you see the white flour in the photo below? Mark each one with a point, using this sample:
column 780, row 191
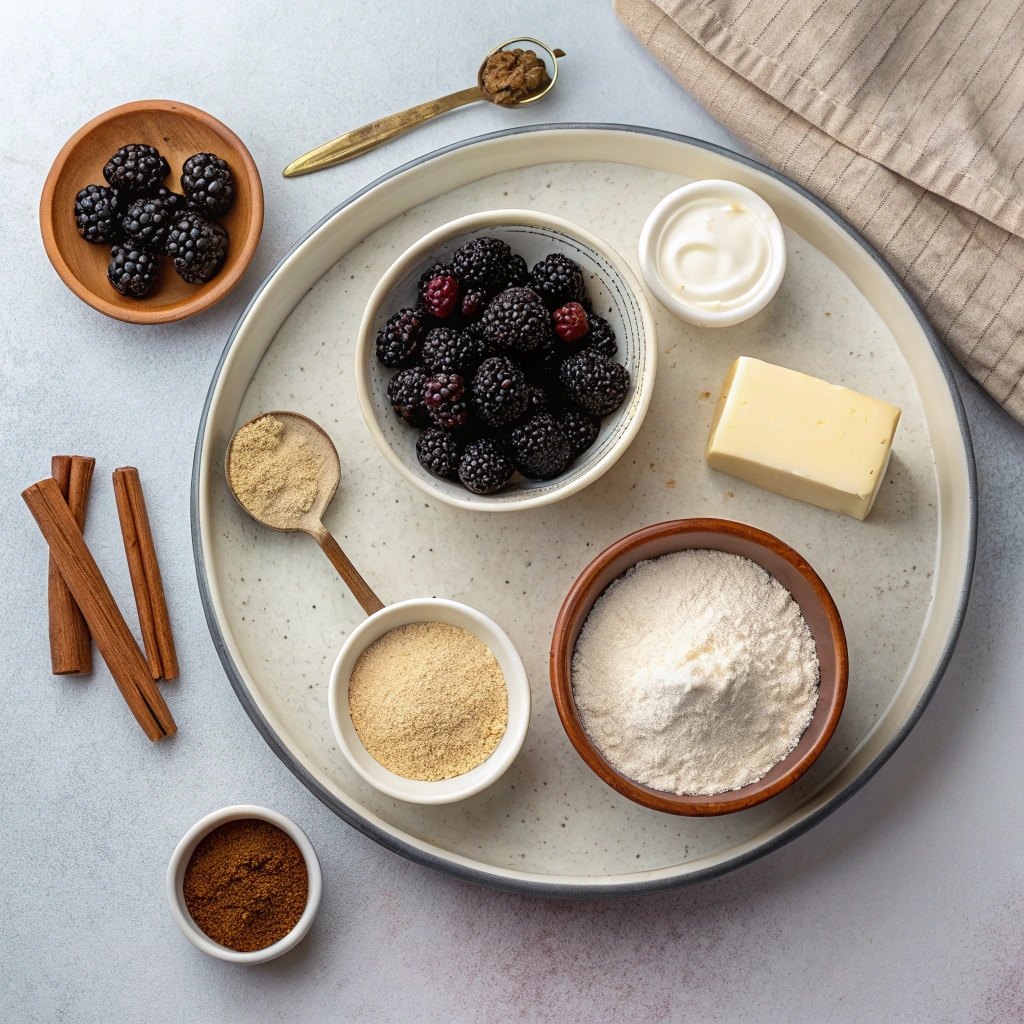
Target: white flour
column 695, row 673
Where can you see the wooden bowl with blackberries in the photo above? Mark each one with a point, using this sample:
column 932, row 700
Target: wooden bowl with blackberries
column 152, row 212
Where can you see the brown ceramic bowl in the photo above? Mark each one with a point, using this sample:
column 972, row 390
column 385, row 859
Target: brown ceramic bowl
column 178, row 131
column 790, row 569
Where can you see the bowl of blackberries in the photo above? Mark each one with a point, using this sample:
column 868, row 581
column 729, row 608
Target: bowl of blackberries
column 506, row 360
column 152, row 211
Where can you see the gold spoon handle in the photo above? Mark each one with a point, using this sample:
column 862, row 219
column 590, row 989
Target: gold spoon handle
column 360, row 589
column 360, row 140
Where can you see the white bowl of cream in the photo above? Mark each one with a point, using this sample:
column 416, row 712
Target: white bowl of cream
column 713, row 252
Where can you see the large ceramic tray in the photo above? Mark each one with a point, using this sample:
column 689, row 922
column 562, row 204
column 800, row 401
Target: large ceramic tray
column 279, row 614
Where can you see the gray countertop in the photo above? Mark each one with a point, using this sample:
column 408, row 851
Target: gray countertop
column 904, row 905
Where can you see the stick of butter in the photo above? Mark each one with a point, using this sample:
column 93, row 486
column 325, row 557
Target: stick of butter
column 801, row 437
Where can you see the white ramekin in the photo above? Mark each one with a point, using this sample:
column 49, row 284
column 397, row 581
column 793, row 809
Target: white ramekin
column 655, row 225
column 176, row 876
column 430, row 609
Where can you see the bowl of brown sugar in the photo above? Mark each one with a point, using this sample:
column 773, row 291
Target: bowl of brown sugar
column 429, row 701
column 244, row 884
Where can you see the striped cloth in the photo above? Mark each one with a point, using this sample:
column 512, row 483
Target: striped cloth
column 905, row 116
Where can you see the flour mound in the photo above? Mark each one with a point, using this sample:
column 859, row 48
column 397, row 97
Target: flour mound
column 695, row 673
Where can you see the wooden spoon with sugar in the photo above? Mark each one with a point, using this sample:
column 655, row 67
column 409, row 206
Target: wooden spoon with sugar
column 283, row 469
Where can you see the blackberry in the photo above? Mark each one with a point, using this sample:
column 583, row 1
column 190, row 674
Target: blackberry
column 601, row 336
column 405, row 393
column 500, row 392
column 485, row 466
column 197, row 246
column 443, row 394
column 594, row 382
column 435, row 269
column 98, row 214
column 557, row 280
column 439, row 452
column 581, row 429
column 132, row 271
column 518, row 273
column 147, row 222
column 473, row 301
column 208, row 185
column 136, row 169
column 540, row 448
column 515, row 320
column 482, row 264
column 570, row 321
column 399, row 339
column 446, row 350
column 173, row 201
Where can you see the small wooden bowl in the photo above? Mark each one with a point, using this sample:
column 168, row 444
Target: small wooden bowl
column 178, row 131
column 790, row 569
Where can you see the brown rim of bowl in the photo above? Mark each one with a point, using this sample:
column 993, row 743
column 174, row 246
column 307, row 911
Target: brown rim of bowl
column 782, row 562
column 207, row 295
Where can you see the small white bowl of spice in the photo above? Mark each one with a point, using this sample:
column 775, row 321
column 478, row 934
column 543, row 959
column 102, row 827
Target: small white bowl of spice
column 429, row 701
column 244, row 884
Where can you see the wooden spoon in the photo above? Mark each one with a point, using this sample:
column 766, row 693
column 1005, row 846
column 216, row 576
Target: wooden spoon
column 322, row 448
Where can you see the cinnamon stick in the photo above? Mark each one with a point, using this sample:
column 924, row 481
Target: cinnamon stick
column 147, row 551
column 70, row 643
column 137, row 571
column 90, row 591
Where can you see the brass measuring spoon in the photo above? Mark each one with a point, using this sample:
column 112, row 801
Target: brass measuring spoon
column 311, row 522
column 361, row 140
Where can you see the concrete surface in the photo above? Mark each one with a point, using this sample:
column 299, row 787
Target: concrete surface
column 905, row 905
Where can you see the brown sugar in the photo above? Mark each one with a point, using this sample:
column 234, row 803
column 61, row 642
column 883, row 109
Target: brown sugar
column 246, row 884
column 274, row 471
column 429, row 701
column 509, row 76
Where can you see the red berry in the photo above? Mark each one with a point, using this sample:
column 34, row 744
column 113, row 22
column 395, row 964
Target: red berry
column 570, row 321
column 441, row 295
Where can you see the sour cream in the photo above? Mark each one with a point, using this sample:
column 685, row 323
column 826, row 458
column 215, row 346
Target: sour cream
column 713, row 252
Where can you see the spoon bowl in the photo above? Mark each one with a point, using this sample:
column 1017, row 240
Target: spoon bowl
column 329, row 475
column 537, row 94
column 304, row 431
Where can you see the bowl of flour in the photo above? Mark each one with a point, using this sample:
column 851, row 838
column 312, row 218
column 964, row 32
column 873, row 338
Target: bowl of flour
column 699, row 666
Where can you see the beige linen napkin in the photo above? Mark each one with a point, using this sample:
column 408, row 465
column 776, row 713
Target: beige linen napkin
column 905, row 116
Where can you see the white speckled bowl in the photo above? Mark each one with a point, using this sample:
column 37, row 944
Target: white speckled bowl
column 616, row 294
column 176, row 877
column 517, row 685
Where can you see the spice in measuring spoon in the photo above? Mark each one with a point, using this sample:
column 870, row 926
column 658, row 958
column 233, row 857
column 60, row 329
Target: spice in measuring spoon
column 274, row 472
column 283, row 470
column 509, row 76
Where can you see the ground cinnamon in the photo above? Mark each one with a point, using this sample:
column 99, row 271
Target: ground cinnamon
column 246, row 884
